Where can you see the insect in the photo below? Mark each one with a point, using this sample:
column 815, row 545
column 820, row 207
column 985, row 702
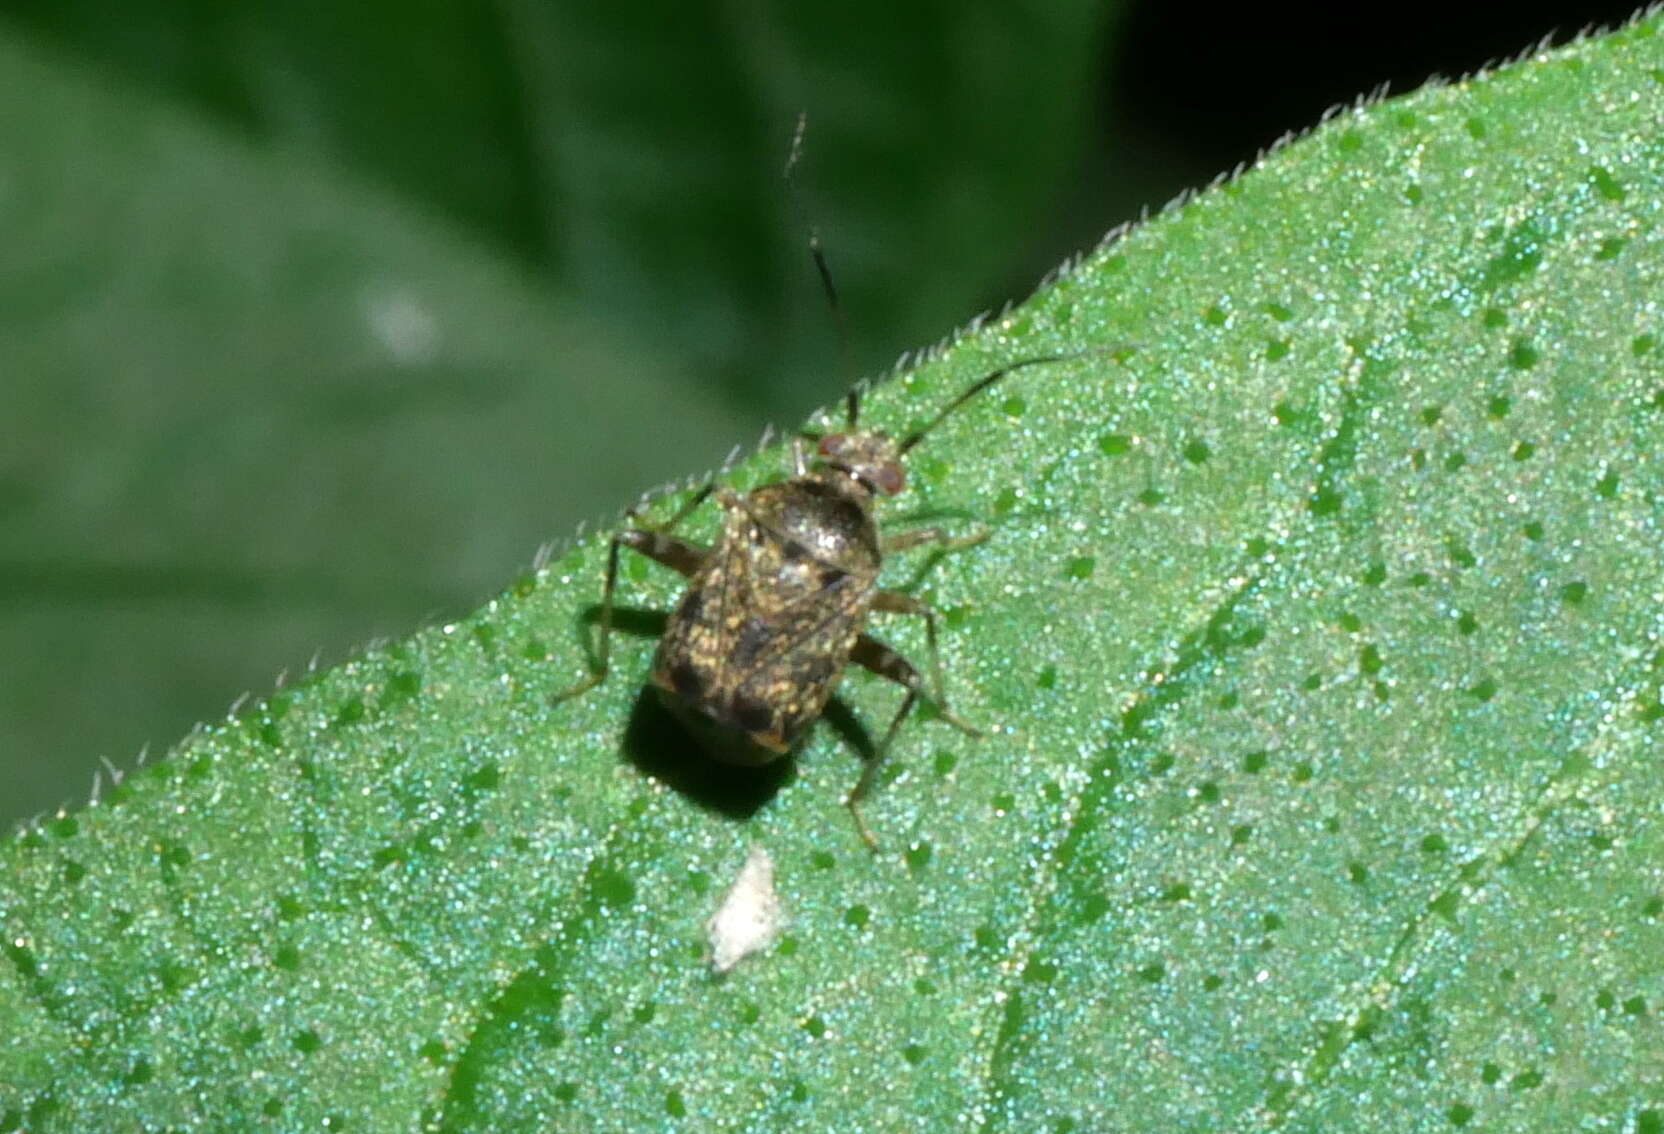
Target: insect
column 775, row 612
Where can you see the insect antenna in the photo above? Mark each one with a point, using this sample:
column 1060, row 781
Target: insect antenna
column 980, row 385
column 824, row 270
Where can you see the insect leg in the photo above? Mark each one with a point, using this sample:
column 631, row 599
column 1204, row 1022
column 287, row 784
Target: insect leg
column 682, row 513
column 898, row 602
column 885, row 662
column 901, row 541
column 678, row 554
column 869, row 774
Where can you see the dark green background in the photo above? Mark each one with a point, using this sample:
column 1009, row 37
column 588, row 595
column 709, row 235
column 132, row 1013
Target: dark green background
column 315, row 320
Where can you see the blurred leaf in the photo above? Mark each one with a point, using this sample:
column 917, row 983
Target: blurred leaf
column 1318, row 637
column 633, row 155
column 244, row 388
column 253, row 412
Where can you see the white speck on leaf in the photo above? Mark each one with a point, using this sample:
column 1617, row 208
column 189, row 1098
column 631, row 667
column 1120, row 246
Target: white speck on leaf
column 750, row 916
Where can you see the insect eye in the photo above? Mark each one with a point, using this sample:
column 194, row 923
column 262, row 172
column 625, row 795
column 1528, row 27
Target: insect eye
column 889, row 478
column 831, row 445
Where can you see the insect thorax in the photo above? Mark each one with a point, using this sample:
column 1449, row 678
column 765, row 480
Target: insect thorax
column 826, row 516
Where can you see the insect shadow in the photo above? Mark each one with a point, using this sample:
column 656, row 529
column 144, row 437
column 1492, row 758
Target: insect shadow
column 657, row 743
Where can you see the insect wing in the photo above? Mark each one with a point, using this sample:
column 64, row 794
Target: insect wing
column 762, row 637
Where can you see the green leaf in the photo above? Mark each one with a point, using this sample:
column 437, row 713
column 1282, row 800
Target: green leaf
column 1318, row 642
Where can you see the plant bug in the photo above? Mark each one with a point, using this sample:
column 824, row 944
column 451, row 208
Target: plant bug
column 776, row 611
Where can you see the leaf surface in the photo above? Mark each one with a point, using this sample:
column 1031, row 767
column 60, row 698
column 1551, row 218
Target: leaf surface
column 1317, row 638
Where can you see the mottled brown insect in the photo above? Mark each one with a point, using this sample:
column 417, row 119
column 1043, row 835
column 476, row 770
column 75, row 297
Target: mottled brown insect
column 775, row 612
